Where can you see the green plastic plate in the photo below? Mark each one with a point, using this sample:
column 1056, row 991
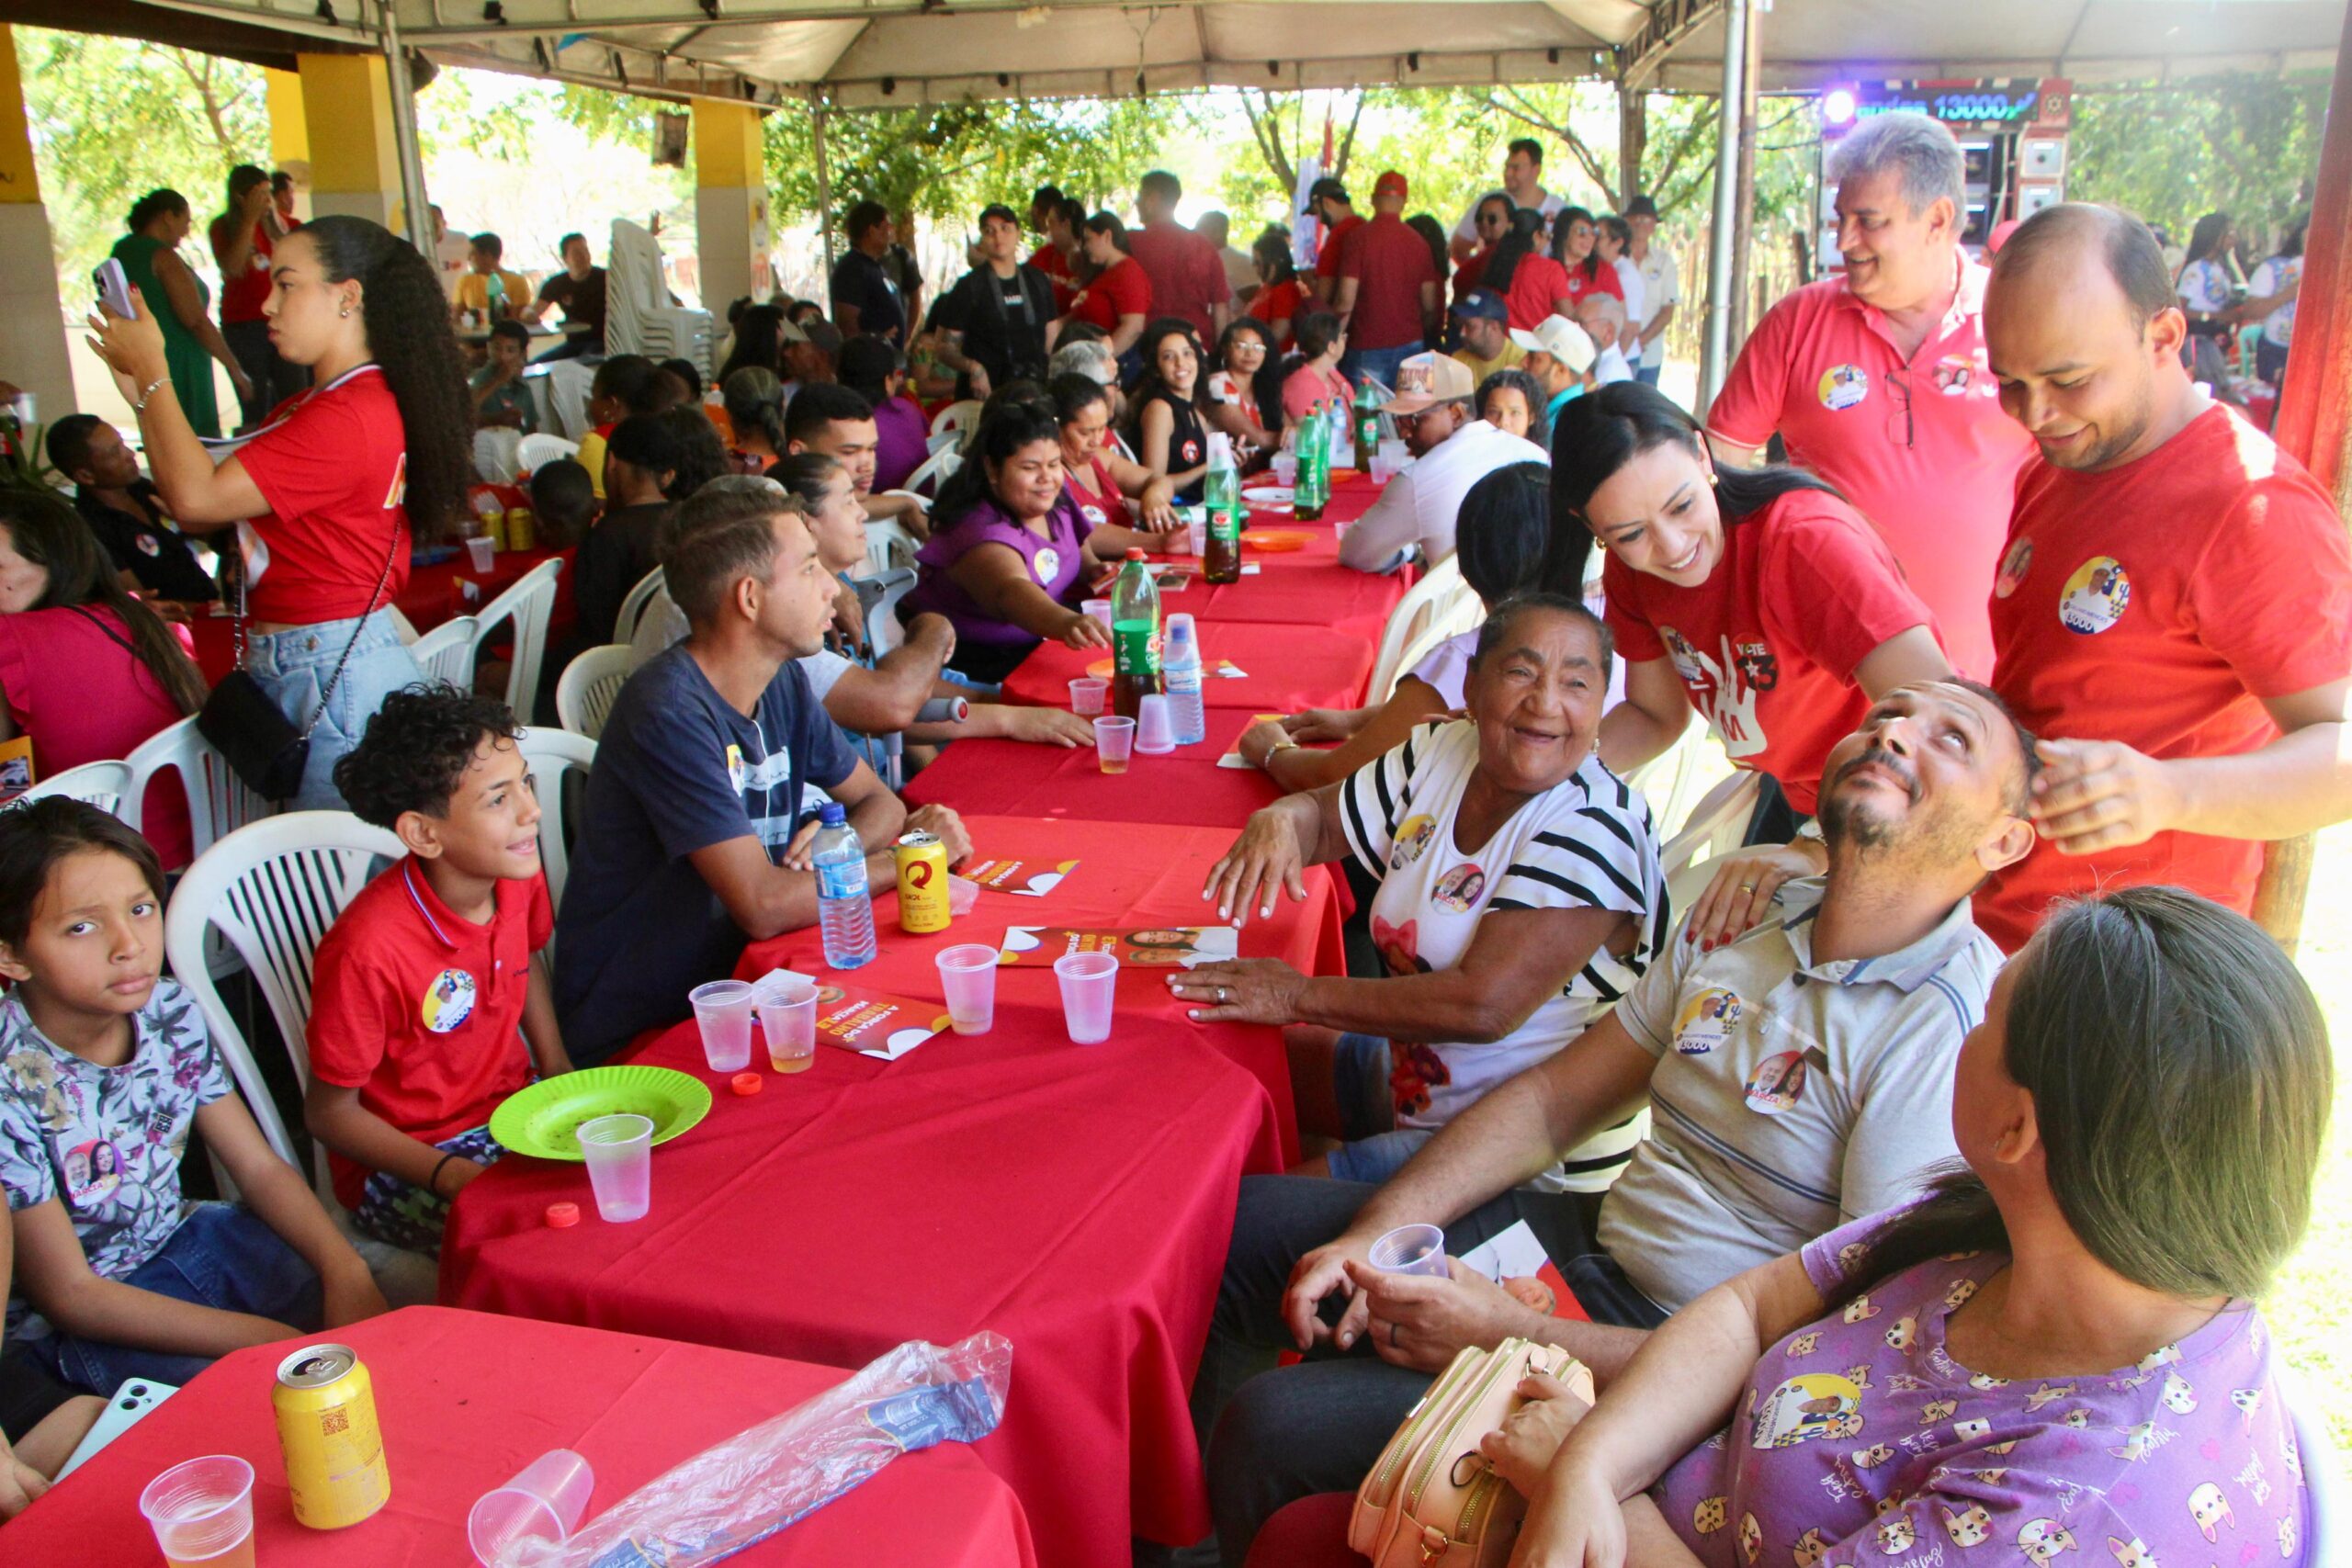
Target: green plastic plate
column 540, row 1120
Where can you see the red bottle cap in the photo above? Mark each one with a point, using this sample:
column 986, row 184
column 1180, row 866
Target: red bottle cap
column 747, row 1083
column 562, row 1216
column 1135, row 552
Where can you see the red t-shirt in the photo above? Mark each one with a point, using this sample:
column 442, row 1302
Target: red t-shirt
column 421, row 1010
column 1466, row 275
column 241, row 296
column 1603, row 282
column 1766, row 645
column 1329, row 259
column 1055, row 266
column 1186, row 272
column 1921, row 447
column 1120, row 289
column 333, row 465
column 1277, row 302
column 81, row 698
column 2157, row 604
column 1389, row 263
column 1535, row 286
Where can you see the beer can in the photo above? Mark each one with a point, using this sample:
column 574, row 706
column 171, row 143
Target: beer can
column 326, row 1425
column 923, row 883
column 494, row 528
column 522, row 528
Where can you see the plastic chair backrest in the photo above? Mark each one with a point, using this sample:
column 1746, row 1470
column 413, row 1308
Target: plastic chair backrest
column 535, row 452
column 529, row 605
column 935, row 471
column 584, row 691
column 946, row 438
column 633, row 605
column 554, row 755
column 218, row 801
column 887, row 547
column 498, row 455
column 106, row 785
column 957, row 416
column 272, row 888
column 446, row 652
column 883, row 632
column 1439, row 599
column 1717, row 824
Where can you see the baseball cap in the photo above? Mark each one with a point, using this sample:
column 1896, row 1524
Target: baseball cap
column 1426, row 379
column 1327, row 186
column 1562, row 339
column 1640, row 207
column 1481, row 305
column 824, row 335
column 1390, row 184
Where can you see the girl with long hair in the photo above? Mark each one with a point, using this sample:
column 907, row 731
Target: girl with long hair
column 1164, row 422
column 755, row 413
column 1314, row 371
column 1245, row 391
column 2208, row 287
column 1532, row 285
column 338, row 485
column 159, row 224
column 1280, row 294
column 1113, row 291
column 1575, row 237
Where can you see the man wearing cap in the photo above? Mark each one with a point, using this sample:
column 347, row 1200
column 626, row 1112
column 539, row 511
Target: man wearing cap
column 1453, row 451
column 1661, row 287
column 991, row 325
column 1328, row 203
column 1483, row 318
column 1522, row 183
column 1187, row 275
column 1560, row 356
column 1878, row 380
column 1387, row 290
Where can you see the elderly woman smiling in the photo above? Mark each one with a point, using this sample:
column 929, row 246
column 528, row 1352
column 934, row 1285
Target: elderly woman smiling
column 1519, row 895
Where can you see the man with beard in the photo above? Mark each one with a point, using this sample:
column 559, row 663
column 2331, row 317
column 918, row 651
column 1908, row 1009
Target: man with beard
column 1798, row 1074
column 2173, row 610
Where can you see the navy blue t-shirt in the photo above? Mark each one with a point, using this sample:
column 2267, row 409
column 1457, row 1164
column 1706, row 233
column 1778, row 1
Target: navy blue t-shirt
column 860, row 280
column 677, row 770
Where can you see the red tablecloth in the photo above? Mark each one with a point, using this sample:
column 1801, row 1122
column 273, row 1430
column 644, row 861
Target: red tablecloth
column 1010, row 778
column 1076, row 1199
column 1286, row 667
column 466, row 1400
column 1127, row 877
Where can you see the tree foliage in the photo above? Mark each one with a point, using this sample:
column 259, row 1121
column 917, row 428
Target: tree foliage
column 2245, row 145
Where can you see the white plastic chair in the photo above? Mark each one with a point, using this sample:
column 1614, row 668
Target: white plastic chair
column 446, row 652
column 584, row 691
column 662, row 627
column 1440, row 603
column 103, row 785
column 529, row 605
column 535, row 452
column 888, row 547
column 2323, row 1479
column 934, row 471
column 217, row 804
column 944, row 440
column 554, row 756
column 498, row 455
column 883, row 632
column 957, row 416
column 1718, row 825
column 633, row 605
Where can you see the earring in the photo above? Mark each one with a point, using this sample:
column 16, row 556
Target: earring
column 1712, row 478
column 346, row 312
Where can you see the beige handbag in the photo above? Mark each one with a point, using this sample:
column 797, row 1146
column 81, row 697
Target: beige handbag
column 1434, row 1501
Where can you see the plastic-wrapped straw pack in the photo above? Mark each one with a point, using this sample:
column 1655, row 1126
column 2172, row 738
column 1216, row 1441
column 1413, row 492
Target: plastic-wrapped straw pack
column 742, row 1490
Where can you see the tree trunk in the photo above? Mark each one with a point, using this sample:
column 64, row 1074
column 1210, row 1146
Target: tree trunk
column 1632, row 143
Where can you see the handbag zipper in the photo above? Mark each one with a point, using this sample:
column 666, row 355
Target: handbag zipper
column 1437, row 1450
column 1482, row 1494
column 1398, row 1446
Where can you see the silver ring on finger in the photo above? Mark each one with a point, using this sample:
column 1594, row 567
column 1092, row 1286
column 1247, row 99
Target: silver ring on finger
column 1220, row 995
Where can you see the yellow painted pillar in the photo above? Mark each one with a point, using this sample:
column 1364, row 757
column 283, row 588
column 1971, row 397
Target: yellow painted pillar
column 347, row 116
column 289, row 130
column 730, row 204
column 34, row 352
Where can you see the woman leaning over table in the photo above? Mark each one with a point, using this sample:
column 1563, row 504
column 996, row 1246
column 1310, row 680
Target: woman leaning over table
column 1109, row 485
column 2056, row 1351
column 1519, row 895
column 159, row 225
column 338, row 480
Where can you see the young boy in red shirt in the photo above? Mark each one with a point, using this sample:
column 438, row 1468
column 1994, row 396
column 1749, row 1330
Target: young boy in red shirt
column 428, row 1004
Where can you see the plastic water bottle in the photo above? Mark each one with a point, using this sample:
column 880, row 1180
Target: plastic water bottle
column 1181, row 669
column 845, row 905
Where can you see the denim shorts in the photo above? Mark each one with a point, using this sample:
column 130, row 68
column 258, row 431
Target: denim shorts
column 1376, row 1148
column 293, row 667
column 223, row 1256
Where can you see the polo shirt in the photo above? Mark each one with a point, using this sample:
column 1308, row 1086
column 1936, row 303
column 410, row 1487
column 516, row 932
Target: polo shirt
column 1482, row 368
column 1390, row 263
column 1329, row 260
column 2158, row 603
column 1420, row 505
column 1120, row 289
column 142, row 544
column 1789, row 1096
column 1537, row 285
column 1187, row 275
column 1561, row 399
column 421, row 1010
column 1920, row 445
column 1002, row 319
column 473, row 290
column 859, row 279
column 331, row 466
column 678, row 770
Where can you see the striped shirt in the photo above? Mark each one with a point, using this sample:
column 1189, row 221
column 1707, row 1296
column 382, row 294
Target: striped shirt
column 1586, row 842
column 1790, row 1097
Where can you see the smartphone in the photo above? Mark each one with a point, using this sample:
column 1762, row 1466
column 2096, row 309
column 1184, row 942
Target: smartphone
column 114, row 288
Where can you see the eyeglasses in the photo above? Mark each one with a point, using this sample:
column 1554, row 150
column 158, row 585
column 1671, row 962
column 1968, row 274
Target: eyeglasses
column 1900, row 380
column 1247, row 345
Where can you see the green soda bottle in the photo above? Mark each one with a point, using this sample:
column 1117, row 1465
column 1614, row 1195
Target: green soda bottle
column 1314, row 467
column 1135, row 637
column 1367, row 426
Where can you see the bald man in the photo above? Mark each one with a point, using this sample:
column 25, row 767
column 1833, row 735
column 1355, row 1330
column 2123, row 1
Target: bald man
column 2172, row 608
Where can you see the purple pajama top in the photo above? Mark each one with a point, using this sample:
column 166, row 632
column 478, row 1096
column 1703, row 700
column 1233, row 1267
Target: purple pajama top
column 1056, row 563
column 1862, row 1442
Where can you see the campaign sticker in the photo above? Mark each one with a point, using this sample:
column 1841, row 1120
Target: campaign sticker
column 1412, row 837
column 2014, row 566
column 1843, row 386
column 1685, row 657
column 1706, row 1020
column 1047, row 562
column 92, row 1172
column 1457, row 891
column 1777, row 1084
column 736, row 771
column 2096, row 596
column 1809, row 1406
column 450, row 1000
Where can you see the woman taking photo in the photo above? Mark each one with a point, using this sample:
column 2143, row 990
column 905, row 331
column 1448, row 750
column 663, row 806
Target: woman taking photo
column 1532, row 285
column 1245, row 393
column 337, row 486
column 1109, row 485
column 1115, row 293
column 1164, row 424
column 241, row 248
column 87, row 671
column 2057, row 1351
column 1574, row 242
column 159, row 223
column 1011, row 555
column 1315, row 377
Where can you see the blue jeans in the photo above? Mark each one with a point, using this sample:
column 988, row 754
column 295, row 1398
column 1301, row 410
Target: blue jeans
column 223, row 1256
column 294, row 668
column 1376, row 1148
column 1380, row 364
column 1647, row 373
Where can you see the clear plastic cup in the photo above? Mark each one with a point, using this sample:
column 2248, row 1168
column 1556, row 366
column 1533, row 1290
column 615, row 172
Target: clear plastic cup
column 1098, row 608
column 1285, row 468
column 483, row 553
column 546, row 1498
column 1154, row 727
column 788, row 1020
column 1196, row 535
column 968, row 974
column 1089, row 983
column 1411, row 1249
column 1087, row 693
column 723, row 1011
column 202, row 1512
column 620, row 1152
column 1115, row 739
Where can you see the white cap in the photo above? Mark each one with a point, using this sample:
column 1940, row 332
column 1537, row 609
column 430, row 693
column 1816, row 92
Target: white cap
column 1563, row 340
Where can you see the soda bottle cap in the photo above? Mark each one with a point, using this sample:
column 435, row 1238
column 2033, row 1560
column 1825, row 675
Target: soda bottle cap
column 1180, row 624
column 746, row 1083
column 832, row 815
column 1135, row 552
column 562, row 1216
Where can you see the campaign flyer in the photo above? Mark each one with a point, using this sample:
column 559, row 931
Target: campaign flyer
column 1517, row 1261
column 1031, row 879
column 871, row 1023
column 1182, row 946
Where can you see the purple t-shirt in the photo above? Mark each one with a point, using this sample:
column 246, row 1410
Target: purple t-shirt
column 1056, row 563
column 901, row 442
column 1862, row 1442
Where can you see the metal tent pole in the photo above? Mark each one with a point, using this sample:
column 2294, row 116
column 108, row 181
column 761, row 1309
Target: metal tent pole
column 825, row 190
column 403, row 95
column 1715, row 357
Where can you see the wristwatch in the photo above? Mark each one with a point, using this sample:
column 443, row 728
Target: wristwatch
column 1282, row 745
